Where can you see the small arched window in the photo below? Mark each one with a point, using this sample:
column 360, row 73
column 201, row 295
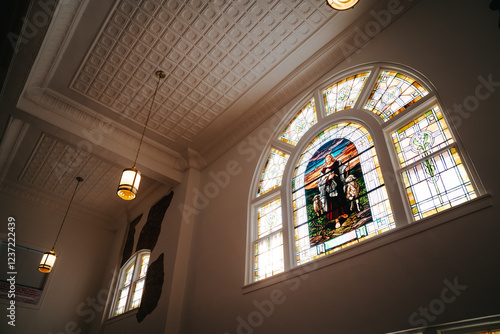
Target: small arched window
column 131, row 281
column 319, row 186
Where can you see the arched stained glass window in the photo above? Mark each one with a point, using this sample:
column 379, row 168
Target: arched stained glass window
column 434, row 176
column 345, row 93
column 300, row 124
column 328, row 189
column 273, row 171
column 339, row 196
column 392, row 93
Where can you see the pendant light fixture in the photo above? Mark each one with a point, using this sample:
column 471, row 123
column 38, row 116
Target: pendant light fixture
column 49, row 258
column 131, row 177
column 341, row 4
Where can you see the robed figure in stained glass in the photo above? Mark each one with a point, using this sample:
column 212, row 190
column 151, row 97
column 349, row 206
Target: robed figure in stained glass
column 331, row 188
column 333, row 207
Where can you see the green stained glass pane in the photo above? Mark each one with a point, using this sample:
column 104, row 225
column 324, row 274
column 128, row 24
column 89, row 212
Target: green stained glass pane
column 269, row 218
column 421, row 137
column 338, row 192
column 393, row 93
column 273, row 171
column 302, row 122
column 344, row 94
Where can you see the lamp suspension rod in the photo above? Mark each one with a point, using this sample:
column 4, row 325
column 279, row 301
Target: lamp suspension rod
column 79, row 179
column 160, row 75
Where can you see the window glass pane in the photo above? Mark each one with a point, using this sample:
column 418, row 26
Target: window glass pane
column 421, row 137
column 122, row 300
column 137, row 294
column 273, row 171
column 268, row 258
column 269, row 218
column 343, row 94
column 144, row 265
column 300, row 124
column 393, row 93
column 128, row 275
column 436, row 184
column 339, row 197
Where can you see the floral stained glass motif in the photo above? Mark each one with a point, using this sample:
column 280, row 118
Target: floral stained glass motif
column 393, row 93
column 302, row 122
column 434, row 176
column 421, row 137
column 328, row 214
column 273, row 171
column 344, row 94
column 268, row 256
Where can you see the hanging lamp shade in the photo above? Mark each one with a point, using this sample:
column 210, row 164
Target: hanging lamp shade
column 129, row 184
column 48, row 260
column 341, row 4
column 131, row 177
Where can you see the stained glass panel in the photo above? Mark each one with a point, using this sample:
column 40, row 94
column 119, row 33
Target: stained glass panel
column 421, row 137
column 122, row 300
column 137, row 295
column 269, row 218
column 273, row 171
column 339, row 197
column 268, row 259
column 144, row 265
column 436, row 184
column 344, row 94
column 128, row 275
column 302, row 122
column 393, row 93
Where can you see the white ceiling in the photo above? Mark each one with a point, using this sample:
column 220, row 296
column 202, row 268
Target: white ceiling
column 80, row 108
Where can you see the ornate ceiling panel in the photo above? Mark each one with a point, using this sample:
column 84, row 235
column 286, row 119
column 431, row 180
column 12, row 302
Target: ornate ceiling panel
column 213, row 53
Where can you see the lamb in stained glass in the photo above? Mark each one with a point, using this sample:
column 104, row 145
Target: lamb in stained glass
column 336, row 196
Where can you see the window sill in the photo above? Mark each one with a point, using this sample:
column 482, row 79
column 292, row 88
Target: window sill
column 385, row 238
column 122, row 316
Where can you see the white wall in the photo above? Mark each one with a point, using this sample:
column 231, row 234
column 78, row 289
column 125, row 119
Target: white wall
column 452, row 44
column 70, row 299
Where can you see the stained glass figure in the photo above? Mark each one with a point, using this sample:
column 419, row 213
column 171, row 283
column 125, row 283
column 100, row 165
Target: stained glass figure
column 268, row 254
column 302, row 122
column 393, row 93
column 273, row 171
column 339, row 197
column 345, row 93
column 433, row 176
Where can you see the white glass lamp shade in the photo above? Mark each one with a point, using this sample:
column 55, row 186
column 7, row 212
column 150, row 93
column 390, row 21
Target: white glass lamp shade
column 129, row 184
column 341, row 4
column 48, row 260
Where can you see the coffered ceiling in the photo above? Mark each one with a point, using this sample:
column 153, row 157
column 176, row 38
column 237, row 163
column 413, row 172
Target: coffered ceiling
column 79, row 88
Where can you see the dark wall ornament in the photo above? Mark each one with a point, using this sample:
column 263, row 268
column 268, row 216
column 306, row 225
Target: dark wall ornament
column 152, row 288
column 151, row 230
column 129, row 244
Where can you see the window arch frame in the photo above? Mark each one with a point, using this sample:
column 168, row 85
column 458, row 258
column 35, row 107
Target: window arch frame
column 134, row 260
column 380, row 131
